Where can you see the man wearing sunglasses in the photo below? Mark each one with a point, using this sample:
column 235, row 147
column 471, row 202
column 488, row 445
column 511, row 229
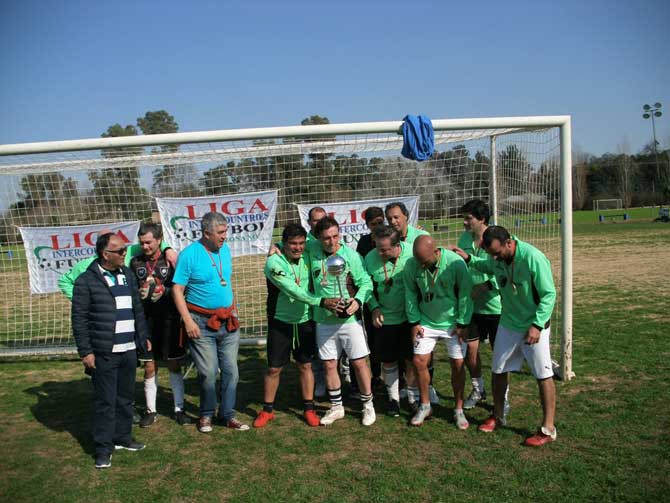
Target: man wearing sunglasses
column 109, row 327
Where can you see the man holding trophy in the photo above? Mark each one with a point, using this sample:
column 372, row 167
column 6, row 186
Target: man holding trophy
column 338, row 271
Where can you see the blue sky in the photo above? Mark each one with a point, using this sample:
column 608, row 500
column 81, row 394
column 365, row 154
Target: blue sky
column 69, row 69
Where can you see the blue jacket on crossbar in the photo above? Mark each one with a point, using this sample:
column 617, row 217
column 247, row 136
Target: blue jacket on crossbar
column 418, row 136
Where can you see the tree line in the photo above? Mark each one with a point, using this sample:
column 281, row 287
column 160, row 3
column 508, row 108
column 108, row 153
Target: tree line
column 641, row 179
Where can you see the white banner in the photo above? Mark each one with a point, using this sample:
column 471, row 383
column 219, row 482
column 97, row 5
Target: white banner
column 350, row 215
column 250, row 216
column 52, row 251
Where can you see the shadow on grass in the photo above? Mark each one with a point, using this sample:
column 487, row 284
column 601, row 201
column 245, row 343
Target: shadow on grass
column 66, row 406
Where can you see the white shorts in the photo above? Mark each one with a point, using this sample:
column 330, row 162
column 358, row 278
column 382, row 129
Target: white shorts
column 511, row 350
column 332, row 339
column 426, row 344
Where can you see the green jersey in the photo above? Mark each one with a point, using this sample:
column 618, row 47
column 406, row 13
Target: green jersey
column 412, row 234
column 526, row 287
column 487, row 302
column 289, row 299
column 66, row 280
column 354, row 277
column 438, row 298
column 388, row 290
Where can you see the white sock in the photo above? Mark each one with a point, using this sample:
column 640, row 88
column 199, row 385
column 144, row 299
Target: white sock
column 478, row 384
column 150, row 390
column 177, row 385
column 412, row 393
column 391, row 380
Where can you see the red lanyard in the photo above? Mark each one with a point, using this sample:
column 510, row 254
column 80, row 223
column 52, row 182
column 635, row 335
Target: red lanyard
column 151, row 265
column 295, row 274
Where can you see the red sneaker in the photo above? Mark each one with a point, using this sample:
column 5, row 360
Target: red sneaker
column 311, row 418
column 543, row 436
column 263, row 418
column 489, row 425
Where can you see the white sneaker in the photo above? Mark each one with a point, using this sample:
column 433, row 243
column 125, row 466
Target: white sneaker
column 461, row 421
column 369, row 416
column 434, row 399
column 472, row 400
column 336, row 412
column 423, row 413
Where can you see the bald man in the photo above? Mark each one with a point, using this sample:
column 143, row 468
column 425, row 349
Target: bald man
column 438, row 306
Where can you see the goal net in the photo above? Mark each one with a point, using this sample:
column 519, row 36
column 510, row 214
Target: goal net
column 607, row 204
column 73, row 189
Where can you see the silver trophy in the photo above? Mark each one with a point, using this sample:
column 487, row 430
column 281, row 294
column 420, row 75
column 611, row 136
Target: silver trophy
column 336, row 266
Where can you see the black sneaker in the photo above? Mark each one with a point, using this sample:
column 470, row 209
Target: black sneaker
column 103, row 461
column 148, row 419
column 393, row 409
column 132, row 446
column 181, row 418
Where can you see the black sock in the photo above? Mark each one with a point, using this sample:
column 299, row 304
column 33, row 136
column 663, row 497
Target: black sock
column 268, row 406
column 308, row 404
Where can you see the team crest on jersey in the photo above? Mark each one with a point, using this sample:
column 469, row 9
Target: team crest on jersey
column 276, row 272
column 163, row 271
column 141, row 272
column 316, row 273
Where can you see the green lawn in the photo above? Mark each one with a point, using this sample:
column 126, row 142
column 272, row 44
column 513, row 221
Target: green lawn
column 613, row 443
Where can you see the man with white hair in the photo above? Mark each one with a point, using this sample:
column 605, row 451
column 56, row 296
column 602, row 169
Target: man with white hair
column 203, row 295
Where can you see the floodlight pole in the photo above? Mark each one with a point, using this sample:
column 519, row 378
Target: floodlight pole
column 649, row 112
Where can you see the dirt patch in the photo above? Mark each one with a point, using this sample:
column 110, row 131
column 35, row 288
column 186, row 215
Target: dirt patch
column 632, row 264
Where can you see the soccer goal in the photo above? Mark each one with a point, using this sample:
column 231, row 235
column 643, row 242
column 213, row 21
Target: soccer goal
column 607, row 204
column 57, row 195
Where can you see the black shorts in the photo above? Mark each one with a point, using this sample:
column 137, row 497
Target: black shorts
column 393, row 343
column 281, row 343
column 164, row 336
column 483, row 326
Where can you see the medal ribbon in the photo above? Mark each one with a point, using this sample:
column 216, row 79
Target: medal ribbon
column 219, row 270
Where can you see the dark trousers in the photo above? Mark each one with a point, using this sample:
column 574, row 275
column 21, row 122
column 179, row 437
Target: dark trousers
column 114, row 388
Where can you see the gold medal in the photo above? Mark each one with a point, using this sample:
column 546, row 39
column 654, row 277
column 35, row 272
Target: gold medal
column 223, row 282
column 324, row 282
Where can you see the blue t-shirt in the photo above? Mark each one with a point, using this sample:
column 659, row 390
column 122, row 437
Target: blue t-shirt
column 201, row 278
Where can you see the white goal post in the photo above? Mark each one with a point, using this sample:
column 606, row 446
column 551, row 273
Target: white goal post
column 520, row 165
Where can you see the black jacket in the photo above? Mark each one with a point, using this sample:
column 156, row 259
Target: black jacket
column 94, row 312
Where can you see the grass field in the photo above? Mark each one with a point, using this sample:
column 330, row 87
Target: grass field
column 613, row 419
